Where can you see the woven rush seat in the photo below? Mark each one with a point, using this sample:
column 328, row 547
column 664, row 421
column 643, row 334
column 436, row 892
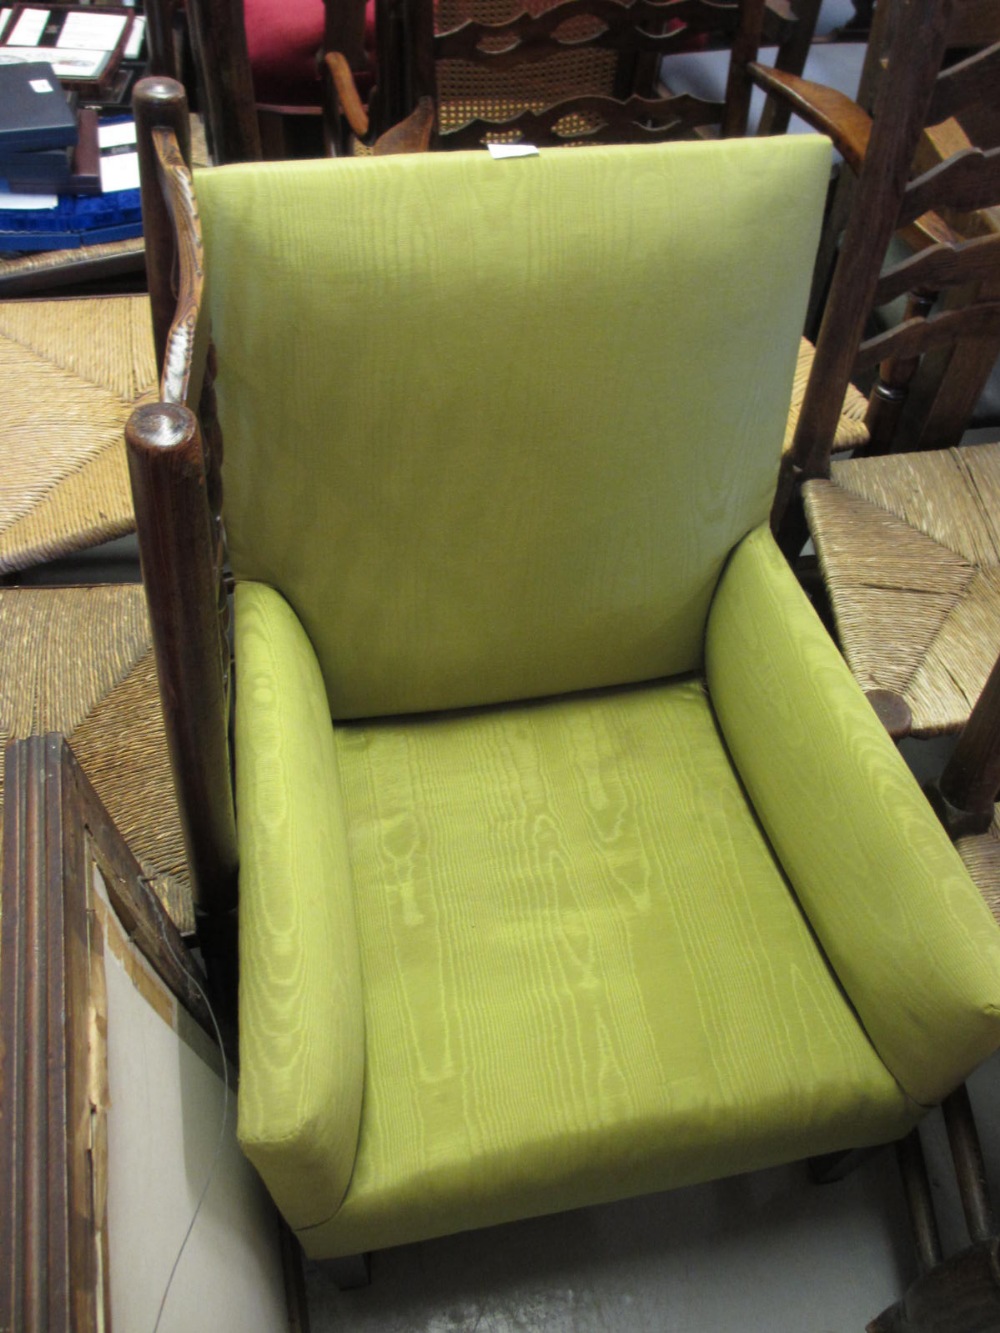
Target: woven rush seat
column 981, row 854
column 71, row 371
column 80, row 661
column 24, row 274
column 909, row 545
column 851, row 432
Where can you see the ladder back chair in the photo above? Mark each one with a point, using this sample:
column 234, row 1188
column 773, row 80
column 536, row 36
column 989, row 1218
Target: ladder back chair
column 522, row 690
column 578, row 71
column 906, row 542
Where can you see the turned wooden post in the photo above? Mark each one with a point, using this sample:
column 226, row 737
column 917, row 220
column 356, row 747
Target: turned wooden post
column 967, row 789
column 178, row 549
column 892, row 387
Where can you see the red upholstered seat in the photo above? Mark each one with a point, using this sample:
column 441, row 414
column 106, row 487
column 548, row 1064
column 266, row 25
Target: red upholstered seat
column 283, row 38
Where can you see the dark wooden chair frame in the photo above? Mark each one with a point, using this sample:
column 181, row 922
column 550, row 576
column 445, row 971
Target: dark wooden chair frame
column 53, row 1228
column 911, row 94
column 175, row 469
column 639, row 31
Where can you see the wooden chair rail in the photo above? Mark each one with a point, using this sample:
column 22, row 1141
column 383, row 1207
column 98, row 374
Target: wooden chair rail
column 539, row 41
column 971, row 80
column 915, row 337
column 969, row 181
column 941, row 266
column 638, row 119
column 624, row 26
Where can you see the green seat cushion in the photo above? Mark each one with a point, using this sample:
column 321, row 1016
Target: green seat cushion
column 519, row 411
column 584, row 975
column 891, row 902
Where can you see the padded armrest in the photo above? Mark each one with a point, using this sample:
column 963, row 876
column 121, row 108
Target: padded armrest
column 301, row 1009
column 887, row 895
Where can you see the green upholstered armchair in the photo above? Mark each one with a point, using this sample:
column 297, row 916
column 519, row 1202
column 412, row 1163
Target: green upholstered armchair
column 572, row 861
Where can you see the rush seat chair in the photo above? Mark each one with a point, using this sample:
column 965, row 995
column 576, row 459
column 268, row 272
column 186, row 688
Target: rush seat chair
column 908, row 541
column 572, row 862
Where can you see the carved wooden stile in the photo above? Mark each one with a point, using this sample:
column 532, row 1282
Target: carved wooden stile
column 175, row 467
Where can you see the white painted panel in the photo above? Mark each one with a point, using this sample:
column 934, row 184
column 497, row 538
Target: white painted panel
column 163, row 1130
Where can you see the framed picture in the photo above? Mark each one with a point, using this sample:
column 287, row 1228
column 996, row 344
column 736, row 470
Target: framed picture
column 85, row 45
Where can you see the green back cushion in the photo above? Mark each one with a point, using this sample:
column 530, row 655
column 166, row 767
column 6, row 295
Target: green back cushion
column 492, row 427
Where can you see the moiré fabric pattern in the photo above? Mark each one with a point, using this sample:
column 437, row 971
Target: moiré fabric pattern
column 493, row 427
column 888, row 896
column 301, row 1011
column 584, row 975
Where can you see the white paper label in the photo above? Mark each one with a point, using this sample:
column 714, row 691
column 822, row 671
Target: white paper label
column 65, row 64
column 113, row 136
column 13, row 202
column 501, row 150
column 29, row 27
column 41, row 86
column 119, row 171
column 92, row 32
column 134, row 44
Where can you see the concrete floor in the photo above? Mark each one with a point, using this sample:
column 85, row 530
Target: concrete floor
column 767, row 1251
column 763, row 1251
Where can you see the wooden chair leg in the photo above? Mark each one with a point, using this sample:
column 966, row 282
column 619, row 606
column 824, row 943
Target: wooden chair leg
column 970, row 1170
column 960, row 1295
column 354, row 1270
column 830, row 1167
column 919, row 1203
